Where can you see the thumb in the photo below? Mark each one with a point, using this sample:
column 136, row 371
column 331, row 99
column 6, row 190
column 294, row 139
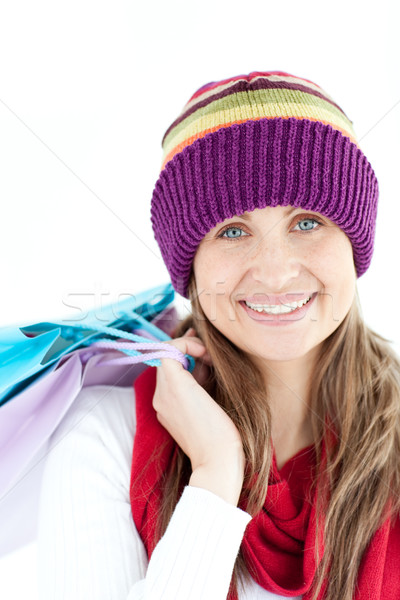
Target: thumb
column 187, row 345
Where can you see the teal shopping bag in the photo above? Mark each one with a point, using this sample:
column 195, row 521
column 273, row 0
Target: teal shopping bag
column 32, row 351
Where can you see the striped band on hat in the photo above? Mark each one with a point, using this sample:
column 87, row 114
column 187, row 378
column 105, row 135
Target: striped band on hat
column 237, row 100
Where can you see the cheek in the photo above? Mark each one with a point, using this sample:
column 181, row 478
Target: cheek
column 213, row 272
column 216, row 277
column 338, row 276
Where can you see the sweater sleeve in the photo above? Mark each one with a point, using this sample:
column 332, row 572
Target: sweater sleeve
column 88, row 546
column 195, row 557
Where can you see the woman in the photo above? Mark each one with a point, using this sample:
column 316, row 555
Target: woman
column 272, row 471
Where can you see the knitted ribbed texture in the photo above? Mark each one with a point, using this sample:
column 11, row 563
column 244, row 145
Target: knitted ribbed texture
column 257, row 140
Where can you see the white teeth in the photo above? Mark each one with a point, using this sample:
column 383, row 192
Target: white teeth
column 278, row 309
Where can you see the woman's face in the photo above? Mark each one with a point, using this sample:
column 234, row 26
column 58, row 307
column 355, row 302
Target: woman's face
column 274, row 257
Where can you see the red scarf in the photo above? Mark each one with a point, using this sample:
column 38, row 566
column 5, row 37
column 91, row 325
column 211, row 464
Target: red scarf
column 278, row 542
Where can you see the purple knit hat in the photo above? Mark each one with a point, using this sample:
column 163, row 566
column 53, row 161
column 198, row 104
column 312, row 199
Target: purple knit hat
column 257, row 140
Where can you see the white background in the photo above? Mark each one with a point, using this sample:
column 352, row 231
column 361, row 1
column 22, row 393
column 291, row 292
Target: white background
column 87, row 90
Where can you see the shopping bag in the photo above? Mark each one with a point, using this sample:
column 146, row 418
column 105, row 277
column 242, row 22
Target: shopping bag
column 30, row 351
column 29, row 418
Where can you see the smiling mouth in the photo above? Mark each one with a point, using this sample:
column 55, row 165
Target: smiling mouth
column 277, row 309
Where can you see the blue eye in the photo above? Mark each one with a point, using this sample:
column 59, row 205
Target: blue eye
column 233, row 229
column 309, row 224
column 234, row 232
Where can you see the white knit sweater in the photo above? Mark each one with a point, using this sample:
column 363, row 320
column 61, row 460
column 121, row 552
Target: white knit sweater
column 88, row 546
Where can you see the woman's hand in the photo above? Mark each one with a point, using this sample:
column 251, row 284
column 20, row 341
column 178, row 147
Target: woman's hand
column 198, row 424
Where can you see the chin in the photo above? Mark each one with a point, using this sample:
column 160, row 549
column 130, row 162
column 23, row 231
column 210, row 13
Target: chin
column 283, row 353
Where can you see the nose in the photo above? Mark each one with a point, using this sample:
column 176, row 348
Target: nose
column 273, row 262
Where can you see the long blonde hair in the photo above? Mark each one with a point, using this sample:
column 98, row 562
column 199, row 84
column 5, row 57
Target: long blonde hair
column 356, row 388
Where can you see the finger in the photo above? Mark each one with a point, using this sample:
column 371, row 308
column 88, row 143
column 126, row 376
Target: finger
column 189, row 331
column 192, row 333
column 187, row 346
column 207, row 358
column 201, row 372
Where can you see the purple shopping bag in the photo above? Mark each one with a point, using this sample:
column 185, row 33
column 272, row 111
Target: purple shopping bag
column 29, row 420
